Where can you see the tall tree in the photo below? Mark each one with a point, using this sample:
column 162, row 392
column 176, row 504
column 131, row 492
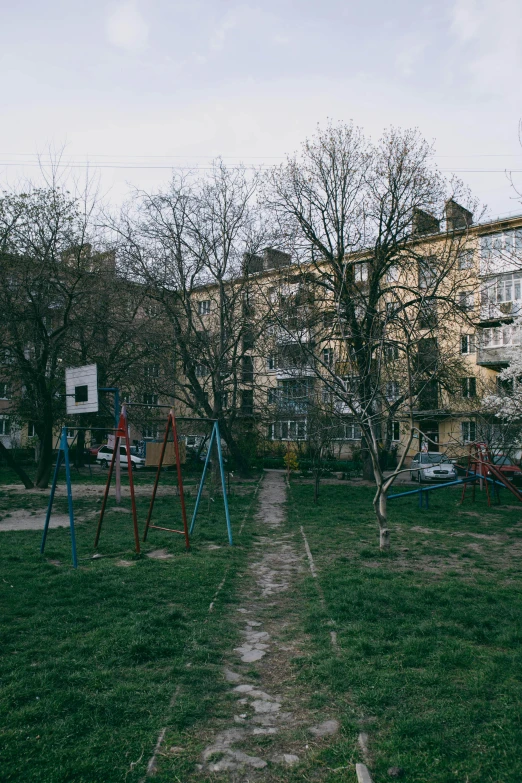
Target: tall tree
column 62, row 303
column 363, row 223
column 190, row 246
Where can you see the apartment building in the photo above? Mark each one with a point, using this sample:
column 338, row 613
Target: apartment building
column 278, row 327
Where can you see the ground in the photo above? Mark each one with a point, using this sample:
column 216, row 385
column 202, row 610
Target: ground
column 293, row 655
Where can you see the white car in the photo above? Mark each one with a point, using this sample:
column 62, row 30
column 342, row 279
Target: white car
column 104, row 457
column 432, row 466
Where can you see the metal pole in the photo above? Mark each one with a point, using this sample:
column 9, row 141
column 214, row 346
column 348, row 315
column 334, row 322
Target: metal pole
column 180, row 480
column 65, row 448
column 104, row 503
column 131, row 482
column 200, row 488
column 51, row 499
column 223, row 483
column 118, row 466
column 155, row 487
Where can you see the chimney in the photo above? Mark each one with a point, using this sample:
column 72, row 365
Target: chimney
column 456, row 216
column 424, row 223
column 275, row 259
column 252, row 264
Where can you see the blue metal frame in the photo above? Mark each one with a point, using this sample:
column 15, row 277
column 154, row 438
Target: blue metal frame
column 63, row 453
column 217, row 437
column 421, row 490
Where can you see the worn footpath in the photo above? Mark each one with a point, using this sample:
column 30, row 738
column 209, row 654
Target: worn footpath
column 270, row 728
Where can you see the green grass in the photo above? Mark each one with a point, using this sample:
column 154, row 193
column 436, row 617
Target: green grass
column 90, row 659
column 430, row 659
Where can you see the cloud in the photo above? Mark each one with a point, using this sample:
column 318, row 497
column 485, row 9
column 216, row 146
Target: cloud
column 488, row 34
column 126, row 28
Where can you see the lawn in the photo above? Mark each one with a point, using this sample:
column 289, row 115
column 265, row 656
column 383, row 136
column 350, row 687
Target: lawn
column 428, row 663
column 90, row 659
column 430, row 659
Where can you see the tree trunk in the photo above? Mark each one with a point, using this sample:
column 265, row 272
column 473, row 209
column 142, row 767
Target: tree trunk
column 380, row 505
column 20, row 472
column 45, row 461
column 367, row 464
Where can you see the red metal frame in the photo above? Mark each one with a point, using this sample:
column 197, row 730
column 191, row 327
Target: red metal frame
column 121, row 432
column 171, row 422
column 481, row 463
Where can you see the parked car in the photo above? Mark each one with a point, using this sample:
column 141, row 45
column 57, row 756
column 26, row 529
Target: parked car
column 507, row 467
column 104, row 456
column 432, row 466
column 93, row 451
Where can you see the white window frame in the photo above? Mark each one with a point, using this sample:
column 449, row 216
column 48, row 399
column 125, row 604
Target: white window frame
column 471, row 344
column 465, row 259
column 466, row 431
column 288, row 430
column 5, row 426
column 204, row 307
column 5, row 392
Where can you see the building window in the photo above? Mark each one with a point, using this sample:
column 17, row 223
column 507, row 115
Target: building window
column 465, row 259
column 204, row 307
column 395, row 430
column 150, row 399
column 361, row 273
column 151, row 371
column 392, row 390
column 289, row 430
column 466, row 300
column 348, row 430
column 151, row 432
column 391, row 352
column 126, row 397
column 270, row 363
column 247, row 402
column 4, row 390
column 328, row 356
column 428, row 317
column 71, row 433
column 500, row 336
column 272, row 396
column 31, row 430
column 392, row 274
column 469, row 386
column 467, row 343
column 469, row 431
column 201, row 370
column 5, row 425
column 427, row 270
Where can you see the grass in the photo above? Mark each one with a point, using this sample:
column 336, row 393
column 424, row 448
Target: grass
column 429, row 661
column 430, row 658
column 90, row 659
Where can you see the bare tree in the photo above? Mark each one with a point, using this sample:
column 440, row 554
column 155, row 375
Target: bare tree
column 192, row 246
column 62, row 303
column 386, row 295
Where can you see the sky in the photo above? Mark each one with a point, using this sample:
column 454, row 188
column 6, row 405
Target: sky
column 134, row 88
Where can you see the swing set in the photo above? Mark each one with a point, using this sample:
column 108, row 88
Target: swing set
column 121, row 433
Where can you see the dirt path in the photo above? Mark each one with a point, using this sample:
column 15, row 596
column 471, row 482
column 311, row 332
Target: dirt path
column 270, row 727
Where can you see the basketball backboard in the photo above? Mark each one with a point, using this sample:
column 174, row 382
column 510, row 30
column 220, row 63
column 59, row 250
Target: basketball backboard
column 81, row 389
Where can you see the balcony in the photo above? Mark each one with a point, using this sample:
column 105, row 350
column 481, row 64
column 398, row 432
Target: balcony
column 497, row 345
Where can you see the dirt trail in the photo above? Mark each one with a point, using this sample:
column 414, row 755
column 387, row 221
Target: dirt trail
column 270, row 727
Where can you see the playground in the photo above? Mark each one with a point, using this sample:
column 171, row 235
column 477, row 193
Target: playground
column 296, row 654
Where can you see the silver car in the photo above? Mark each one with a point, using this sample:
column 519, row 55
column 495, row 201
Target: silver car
column 432, row 466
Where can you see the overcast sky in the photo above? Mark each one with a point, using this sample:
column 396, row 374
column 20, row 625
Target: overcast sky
column 122, row 82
